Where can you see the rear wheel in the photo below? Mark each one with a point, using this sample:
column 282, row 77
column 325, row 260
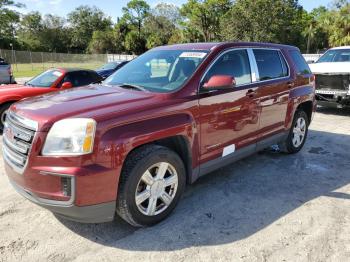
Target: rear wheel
column 3, row 111
column 152, row 182
column 297, row 134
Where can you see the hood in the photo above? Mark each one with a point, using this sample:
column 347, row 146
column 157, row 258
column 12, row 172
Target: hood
column 94, row 101
column 330, row 68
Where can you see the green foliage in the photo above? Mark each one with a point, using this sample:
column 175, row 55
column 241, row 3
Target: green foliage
column 88, row 29
column 160, row 25
column 204, row 18
column 337, row 24
column 264, row 21
column 8, row 22
column 84, row 21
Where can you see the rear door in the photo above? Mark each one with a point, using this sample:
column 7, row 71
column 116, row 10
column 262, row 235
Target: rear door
column 274, row 88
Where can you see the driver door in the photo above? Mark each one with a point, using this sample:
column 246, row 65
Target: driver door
column 229, row 118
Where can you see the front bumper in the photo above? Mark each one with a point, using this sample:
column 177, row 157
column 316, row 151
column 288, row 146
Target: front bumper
column 76, row 188
column 333, row 98
column 88, row 214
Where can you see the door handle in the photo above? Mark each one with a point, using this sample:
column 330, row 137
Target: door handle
column 251, row 93
column 290, row 84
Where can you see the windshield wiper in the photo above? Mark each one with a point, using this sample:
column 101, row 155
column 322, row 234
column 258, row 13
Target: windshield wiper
column 131, row 86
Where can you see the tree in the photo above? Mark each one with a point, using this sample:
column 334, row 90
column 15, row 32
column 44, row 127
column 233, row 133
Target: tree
column 30, row 31
column 103, row 42
column 84, row 20
column 314, row 31
column 55, row 36
column 161, row 24
column 337, row 24
column 265, row 21
column 204, row 18
column 8, row 22
column 135, row 13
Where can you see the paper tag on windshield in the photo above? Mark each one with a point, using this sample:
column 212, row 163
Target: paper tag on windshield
column 193, row 54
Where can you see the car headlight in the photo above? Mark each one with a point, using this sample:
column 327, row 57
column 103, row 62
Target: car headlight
column 70, row 137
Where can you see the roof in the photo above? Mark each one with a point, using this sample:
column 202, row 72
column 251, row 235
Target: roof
column 213, row 45
column 340, row 47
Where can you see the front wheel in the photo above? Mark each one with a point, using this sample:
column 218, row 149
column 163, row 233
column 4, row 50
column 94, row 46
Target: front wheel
column 297, row 134
column 151, row 184
column 3, row 111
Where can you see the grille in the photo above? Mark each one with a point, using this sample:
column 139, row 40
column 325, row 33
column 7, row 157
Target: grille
column 333, row 82
column 18, row 137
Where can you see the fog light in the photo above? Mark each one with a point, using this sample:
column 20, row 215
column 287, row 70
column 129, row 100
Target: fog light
column 66, row 186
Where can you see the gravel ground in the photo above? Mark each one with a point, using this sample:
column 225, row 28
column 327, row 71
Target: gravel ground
column 269, row 207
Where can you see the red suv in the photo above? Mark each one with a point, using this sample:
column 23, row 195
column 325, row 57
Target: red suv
column 172, row 115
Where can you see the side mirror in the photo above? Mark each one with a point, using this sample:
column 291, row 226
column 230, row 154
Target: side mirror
column 220, row 82
column 66, row 85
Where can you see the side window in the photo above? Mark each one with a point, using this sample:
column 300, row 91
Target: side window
column 80, row 78
column 300, row 63
column 234, row 63
column 271, row 64
column 67, row 78
column 94, row 77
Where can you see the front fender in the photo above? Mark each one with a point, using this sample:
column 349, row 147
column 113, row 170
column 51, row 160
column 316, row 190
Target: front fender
column 115, row 144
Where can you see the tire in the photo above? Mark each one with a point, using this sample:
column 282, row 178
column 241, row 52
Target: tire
column 3, row 109
column 136, row 196
column 292, row 145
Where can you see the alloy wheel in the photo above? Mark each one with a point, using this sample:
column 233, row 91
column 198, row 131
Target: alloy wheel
column 156, row 189
column 299, row 131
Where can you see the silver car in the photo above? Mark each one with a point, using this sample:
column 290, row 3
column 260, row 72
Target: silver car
column 6, row 76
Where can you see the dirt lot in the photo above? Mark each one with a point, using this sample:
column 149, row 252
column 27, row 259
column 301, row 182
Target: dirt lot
column 269, row 207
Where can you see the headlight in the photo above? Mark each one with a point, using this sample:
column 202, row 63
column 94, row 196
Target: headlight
column 70, row 137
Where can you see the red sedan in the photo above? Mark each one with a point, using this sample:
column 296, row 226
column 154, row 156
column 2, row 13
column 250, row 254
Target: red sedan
column 49, row 81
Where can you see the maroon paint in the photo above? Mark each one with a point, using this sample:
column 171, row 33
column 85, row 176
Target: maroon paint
column 127, row 119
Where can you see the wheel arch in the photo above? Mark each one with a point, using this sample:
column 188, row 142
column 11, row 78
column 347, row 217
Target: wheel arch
column 307, row 107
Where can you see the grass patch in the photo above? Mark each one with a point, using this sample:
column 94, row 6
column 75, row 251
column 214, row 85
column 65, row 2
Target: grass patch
column 31, row 70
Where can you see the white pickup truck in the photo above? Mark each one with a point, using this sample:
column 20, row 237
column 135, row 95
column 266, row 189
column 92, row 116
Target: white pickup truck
column 332, row 72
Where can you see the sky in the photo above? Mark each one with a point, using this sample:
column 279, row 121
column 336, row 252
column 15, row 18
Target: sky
column 113, row 7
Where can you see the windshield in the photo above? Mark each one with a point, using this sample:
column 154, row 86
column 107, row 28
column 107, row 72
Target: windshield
column 339, row 55
column 159, row 70
column 109, row 66
column 45, row 79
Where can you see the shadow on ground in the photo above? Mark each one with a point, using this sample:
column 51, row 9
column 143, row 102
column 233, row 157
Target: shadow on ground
column 239, row 200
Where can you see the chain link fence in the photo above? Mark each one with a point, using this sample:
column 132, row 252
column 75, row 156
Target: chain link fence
column 26, row 63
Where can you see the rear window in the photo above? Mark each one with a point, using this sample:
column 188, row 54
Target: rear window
column 271, row 64
column 300, row 63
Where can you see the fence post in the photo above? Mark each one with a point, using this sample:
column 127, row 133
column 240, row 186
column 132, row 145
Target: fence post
column 42, row 60
column 31, row 60
column 16, row 61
